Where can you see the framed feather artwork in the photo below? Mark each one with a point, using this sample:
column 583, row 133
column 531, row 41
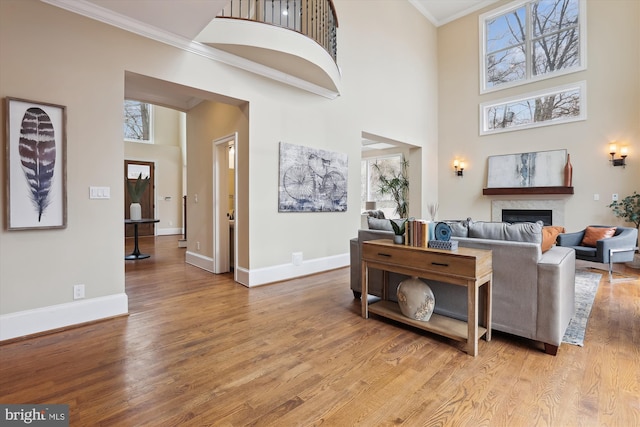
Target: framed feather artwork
column 36, row 170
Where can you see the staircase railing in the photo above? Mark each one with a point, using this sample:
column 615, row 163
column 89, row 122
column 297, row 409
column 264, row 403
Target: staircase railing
column 315, row 19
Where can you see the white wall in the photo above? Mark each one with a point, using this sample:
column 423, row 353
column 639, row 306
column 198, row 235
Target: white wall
column 389, row 88
column 613, row 110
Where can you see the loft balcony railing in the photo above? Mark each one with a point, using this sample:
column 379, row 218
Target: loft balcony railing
column 315, row 19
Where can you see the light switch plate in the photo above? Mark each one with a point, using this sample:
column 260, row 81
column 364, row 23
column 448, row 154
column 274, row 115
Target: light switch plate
column 99, row 192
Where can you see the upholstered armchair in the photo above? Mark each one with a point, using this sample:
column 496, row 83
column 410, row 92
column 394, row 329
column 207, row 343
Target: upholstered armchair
column 618, row 248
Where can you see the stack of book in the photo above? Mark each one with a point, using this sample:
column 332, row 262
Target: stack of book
column 417, row 233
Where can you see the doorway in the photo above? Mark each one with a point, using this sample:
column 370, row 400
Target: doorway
column 224, row 203
column 132, row 169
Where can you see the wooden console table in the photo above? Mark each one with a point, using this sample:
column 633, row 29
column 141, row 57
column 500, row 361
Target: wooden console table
column 462, row 267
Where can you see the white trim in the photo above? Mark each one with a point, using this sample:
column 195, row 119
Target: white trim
column 169, row 231
column 582, row 24
column 582, row 86
column 200, row 261
column 277, row 273
column 28, row 322
column 90, row 10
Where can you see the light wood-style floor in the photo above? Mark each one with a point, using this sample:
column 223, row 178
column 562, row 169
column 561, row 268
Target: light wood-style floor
column 199, row 349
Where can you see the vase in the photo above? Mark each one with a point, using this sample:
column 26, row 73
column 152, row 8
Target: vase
column 568, row 172
column 416, row 299
column 135, row 211
column 398, row 239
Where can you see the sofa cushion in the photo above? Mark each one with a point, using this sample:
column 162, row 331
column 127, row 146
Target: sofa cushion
column 519, row 232
column 549, row 236
column 379, row 224
column 593, row 234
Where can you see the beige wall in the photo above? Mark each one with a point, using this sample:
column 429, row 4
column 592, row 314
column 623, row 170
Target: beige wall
column 165, row 153
column 389, row 88
column 613, row 113
column 206, row 123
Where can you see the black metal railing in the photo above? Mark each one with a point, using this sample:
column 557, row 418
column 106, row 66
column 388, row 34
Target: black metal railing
column 315, row 19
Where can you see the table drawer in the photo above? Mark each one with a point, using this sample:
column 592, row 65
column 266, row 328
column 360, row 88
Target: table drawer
column 404, row 256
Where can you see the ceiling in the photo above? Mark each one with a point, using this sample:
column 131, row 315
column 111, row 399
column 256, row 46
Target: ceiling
column 441, row 12
column 187, row 18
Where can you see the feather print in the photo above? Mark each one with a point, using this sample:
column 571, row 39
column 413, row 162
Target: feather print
column 37, row 149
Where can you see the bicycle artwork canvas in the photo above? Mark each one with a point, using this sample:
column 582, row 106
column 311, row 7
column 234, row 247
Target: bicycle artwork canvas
column 312, row 180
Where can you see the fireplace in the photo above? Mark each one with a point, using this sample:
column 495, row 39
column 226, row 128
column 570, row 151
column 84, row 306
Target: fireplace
column 556, row 206
column 528, row 215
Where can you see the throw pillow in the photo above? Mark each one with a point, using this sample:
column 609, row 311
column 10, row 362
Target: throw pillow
column 593, row 234
column 549, row 236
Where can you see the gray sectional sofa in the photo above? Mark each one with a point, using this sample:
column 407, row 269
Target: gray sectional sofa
column 533, row 292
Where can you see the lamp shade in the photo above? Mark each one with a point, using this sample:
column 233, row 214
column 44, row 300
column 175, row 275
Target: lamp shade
column 370, row 205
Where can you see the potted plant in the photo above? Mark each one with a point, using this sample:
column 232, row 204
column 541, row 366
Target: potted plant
column 396, row 184
column 135, row 192
column 398, row 229
column 629, row 210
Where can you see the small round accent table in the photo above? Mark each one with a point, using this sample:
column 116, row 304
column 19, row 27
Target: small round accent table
column 136, row 250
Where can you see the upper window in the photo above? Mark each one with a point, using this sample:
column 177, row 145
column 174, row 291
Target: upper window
column 137, row 121
column 543, row 108
column 532, row 40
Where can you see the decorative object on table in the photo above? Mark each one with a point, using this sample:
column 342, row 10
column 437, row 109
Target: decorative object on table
column 568, row 172
column 433, row 210
column 312, row 180
column 629, row 210
column 442, row 238
column 395, row 184
column 399, row 228
column 135, row 192
column 535, row 169
column 35, row 165
column 416, row 299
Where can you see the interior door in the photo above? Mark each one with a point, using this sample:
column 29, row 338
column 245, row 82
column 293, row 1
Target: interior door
column 132, row 168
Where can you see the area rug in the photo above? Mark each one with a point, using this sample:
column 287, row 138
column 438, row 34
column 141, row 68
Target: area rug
column 586, row 286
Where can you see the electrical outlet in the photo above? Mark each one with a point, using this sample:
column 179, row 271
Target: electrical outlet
column 78, row 291
column 614, row 197
column 596, row 197
column 296, row 258
column 197, row 246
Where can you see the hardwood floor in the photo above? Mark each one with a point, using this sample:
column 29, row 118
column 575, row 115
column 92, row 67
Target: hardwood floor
column 199, row 349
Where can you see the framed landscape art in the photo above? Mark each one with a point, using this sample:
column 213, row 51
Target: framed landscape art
column 35, row 167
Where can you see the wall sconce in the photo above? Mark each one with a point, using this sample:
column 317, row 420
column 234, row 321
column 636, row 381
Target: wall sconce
column 623, row 155
column 459, row 167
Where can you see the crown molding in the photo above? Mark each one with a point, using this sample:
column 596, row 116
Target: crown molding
column 109, row 17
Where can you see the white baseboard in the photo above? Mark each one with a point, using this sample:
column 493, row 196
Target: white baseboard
column 263, row 276
column 28, row 322
column 168, row 231
column 200, row 261
column 277, row 273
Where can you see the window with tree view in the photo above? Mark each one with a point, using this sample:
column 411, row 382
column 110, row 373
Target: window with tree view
column 137, row 121
column 552, row 106
column 531, row 41
column 370, row 181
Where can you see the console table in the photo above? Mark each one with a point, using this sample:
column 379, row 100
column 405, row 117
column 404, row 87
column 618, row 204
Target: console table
column 467, row 267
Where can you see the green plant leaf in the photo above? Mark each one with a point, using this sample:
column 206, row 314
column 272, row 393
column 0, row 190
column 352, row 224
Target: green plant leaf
column 137, row 190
